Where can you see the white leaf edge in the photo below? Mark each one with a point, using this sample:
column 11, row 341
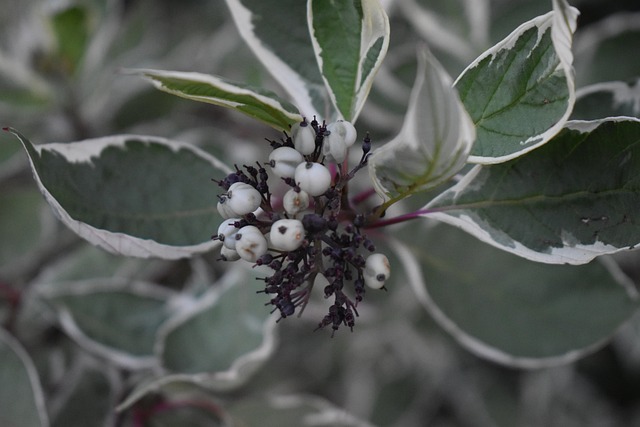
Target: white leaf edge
column 575, row 255
column 32, row 373
column 432, row 82
column 86, row 287
column 375, row 24
column 621, row 92
column 117, row 243
column 241, row 368
column 562, row 21
column 478, row 347
column 291, row 81
column 211, row 80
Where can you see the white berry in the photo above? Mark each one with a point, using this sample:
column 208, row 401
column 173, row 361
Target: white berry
column 342, row 135
column 304, row 137
column 314, row 178
column 227, row 233
column 243, row 198
column 227, row 254
column 224, row 209
column 286, row 234
column 376, row 270
column 295, row 201
column 250, row 243
column 283, row 161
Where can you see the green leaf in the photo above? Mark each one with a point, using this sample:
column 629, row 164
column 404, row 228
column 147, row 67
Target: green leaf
column 217, row 341
column 512, row 310
column 22, row 225
column 88, row 399
column 298, row 410
column 226, row 325
column 287, row 55
column 21, row 397
column 131, row 195
column 567, row 202
column 71, row 30
column 434, row 141
column 350, row 40
column 258, row 103
column 116, row 318
column 609, row 99
column 520, row 92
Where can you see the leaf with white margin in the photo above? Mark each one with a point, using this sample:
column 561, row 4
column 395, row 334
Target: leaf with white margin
column 571, row 200
column 287, row 55
column 132, row 195
column 257, row 103
column 350, row 40
column 520, row 92
column 115, row 318
column 21, row 396
column 510, row 310
column 217, row 341
column 609, row 99
column 298, row 410
column 434, row 141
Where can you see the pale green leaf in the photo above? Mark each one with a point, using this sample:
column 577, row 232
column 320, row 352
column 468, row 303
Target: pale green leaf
column 520, row 92
column 287, row 55
column 511, row 310
column 21, row 396
column 567, row 202
column 260, row 104
column 227, row 327
column 298, row 410
column 116, row 318
column 131, row 195
column 217, row 341
column 434, row 141
column 609, row 99
column 350, row 40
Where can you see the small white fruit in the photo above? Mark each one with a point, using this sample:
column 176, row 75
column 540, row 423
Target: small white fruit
column 286, row 234
column 283, row 161
column 304, row 137
column 227, row 232
column 250, row 243
column 342, row 135
column 314, row 178
column 229, row 254
column 295, row 201
column 376, row 270
column 243, row 198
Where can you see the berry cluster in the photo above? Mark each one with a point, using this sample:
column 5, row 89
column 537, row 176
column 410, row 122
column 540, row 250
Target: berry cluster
column 311, row 233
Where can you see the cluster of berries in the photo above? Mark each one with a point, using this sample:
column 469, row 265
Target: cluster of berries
column 309, row 235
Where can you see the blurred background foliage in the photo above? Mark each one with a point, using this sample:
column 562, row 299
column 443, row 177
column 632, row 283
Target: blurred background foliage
column 88, row 323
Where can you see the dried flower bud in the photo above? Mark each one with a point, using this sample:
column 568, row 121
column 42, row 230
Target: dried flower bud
column 314, row 178
column 250, row 243
column 283, row 161
column 376, row 270
column 286, row 234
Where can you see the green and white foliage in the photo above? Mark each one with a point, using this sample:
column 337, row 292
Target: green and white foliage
column 499, row 213
column 162, row 215
column 520, row 92
column 21, row 396
column 254, row 102
column 435, row 139
column 350, row 41
column 544, row 208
